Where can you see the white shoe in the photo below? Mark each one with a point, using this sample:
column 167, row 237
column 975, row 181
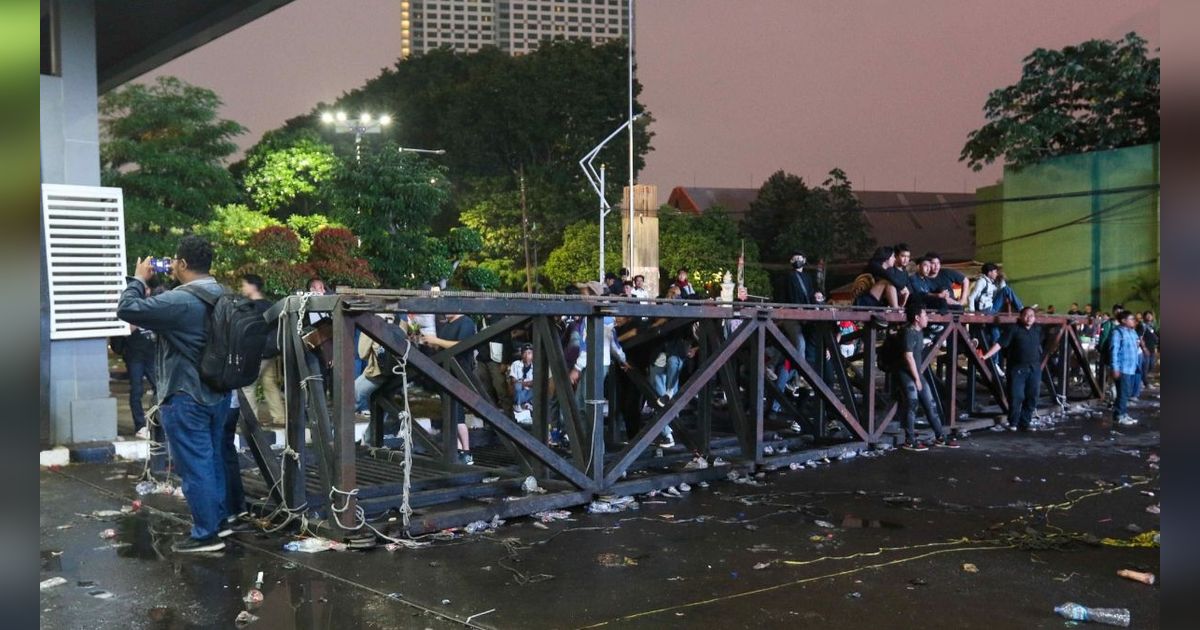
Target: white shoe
column 523, row 417
column 143, row 433
column 1127, row 421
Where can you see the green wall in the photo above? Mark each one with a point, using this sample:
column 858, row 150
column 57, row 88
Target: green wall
column 1088, row 248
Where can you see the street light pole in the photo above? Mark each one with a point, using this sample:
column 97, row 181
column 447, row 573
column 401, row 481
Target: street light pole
column 364, row 124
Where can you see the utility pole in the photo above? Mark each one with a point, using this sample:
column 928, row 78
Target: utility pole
column 632, row 251
column 525, row 234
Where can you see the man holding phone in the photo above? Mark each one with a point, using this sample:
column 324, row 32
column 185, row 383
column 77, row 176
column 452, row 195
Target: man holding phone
column 194, row 416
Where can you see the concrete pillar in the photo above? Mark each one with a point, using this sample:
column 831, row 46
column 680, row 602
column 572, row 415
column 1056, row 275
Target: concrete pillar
column 75, row 372
column 644, row 259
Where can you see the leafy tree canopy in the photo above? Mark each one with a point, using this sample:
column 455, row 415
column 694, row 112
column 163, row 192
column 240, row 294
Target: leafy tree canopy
column 288, row 171
column 708, row 245
column 1101, row 94
column 578, row 258
column 164, row 145
column 824, row 222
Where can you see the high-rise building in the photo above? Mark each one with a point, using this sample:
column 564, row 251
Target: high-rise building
column 514, row 27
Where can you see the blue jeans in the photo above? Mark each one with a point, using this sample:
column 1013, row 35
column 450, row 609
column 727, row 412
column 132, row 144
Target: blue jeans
column 137, row 371
column 1125, row 386
column 666, row 378
column 910, row 399
column 196, row 435
column 1024, row 386
column 521, row 394
column 363, row 388
column 235, row 495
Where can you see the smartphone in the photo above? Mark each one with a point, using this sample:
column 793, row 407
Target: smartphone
column 160, row 265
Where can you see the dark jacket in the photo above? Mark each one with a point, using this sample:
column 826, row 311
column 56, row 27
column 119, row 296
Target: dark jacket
column 179, row 320
column 800, row 288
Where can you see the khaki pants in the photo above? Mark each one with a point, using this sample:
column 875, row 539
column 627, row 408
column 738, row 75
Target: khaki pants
column 269, row 376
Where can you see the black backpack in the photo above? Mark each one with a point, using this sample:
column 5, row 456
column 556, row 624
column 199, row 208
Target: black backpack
column 890, row 357
column 236, row 335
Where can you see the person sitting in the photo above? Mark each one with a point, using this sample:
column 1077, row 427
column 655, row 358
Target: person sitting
column 520, row 376
column 883, row 291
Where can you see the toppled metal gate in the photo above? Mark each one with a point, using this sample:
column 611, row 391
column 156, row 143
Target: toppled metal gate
column 719, row 411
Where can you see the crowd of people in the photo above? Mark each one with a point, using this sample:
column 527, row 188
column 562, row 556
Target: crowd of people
column 169, row 329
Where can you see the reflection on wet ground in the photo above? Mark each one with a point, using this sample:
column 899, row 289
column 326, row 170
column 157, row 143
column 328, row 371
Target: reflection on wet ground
column 807, row 539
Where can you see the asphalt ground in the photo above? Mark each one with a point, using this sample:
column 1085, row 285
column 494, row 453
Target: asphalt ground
column 991, row 535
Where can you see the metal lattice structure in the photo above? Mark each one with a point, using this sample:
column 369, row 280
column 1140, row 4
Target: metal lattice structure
column 849, row 407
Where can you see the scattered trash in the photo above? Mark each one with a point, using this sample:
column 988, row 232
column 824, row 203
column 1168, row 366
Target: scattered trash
column 684, row 487
column 768, row 450
column 1086, row 438
column 101, row 594
column 615, row 560
column 1017, row 479
column 717, row 461
column 970, row 568
column 848, row 455
column 157, row 487
column 610, row 504
column 795, row 465
column 761, row 565
column 540, row 525
column 254, row 596
column 314, row 545
column 1133, row 528
column 918, row 582
column 1108, row 616
column 85, row 584
column 552, row 515
column 244, row 619
column 1144, row 577
column 825, row 524
column 52, row 582
column 491, row 479
column 530, row 485
column 703, row 484
column 1152, row 458
column 108, row 533
column 1153, row 509
column 698, row 463
column 484, row 526
column 677, row 578
column 854, row 595
column 445, row 602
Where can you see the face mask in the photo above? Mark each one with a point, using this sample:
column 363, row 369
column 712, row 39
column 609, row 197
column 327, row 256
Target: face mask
column 798, row 264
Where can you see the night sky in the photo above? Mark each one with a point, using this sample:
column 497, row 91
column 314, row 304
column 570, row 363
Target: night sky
column 885, row 90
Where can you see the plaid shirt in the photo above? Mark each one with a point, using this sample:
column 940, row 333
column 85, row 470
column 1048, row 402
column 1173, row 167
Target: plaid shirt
column 1126, row 356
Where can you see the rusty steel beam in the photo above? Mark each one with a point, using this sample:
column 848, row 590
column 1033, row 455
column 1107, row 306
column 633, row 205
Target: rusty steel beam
column 707, row 369
column 395, row 341
column 816, row 381
column 345, row 479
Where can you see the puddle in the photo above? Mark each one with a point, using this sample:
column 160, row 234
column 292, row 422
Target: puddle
column 51, row 560
column 850, row 521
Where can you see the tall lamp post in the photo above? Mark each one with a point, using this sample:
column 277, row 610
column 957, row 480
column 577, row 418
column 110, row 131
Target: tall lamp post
column 365, row 123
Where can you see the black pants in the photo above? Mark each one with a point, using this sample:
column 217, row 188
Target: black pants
column 1024, row 385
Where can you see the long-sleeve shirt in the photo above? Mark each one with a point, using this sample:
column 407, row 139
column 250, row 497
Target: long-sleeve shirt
column 1126, row 355
column 178, row 319
column 610, row 340
column 983, row 295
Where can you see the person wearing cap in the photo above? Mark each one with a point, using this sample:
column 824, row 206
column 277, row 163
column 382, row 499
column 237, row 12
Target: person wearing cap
column 520, row 374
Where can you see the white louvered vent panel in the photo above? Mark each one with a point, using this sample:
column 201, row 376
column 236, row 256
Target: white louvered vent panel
column 84, row 227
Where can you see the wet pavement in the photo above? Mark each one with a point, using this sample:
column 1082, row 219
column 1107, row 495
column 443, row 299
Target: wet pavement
column 946, row 538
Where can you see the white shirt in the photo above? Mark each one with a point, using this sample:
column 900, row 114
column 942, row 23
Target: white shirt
column 517, row 371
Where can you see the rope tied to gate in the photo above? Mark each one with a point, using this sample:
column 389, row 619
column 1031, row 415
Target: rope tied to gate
column 401, row 370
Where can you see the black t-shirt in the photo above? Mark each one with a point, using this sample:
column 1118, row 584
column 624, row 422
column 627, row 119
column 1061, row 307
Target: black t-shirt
column 945, row 280
column 914, row 342
column 458, row 330
column 1149, row 336
column 897, row 277
column 1023, row 345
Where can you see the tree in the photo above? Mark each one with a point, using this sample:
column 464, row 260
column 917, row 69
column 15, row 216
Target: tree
column 707, row 245
column 578, row 258
column 286, row 173
column 1101, row 94
column 389, row 199
column 164, row 145
column 826, row 222
column 230, row 232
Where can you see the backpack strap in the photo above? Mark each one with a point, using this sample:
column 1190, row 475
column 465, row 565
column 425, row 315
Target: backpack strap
column 205, row 296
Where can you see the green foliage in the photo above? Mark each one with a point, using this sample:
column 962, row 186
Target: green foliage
column 307, row 225
column 477, row 278
column 707, row 245
column 463, row 241
column 389, row 199
column 287, row 172
column 230, row 231
column 825, row 222
column 578, row 258
column 163, row 144
column 1101, row 94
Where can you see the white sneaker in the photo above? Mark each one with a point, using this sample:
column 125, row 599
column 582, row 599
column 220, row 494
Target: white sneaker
column 795, row 427
column 143, row 433
column 698, row 463
column 523, row 417
column 1127, row 421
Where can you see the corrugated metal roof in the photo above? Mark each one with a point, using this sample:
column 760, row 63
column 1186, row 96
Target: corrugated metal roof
column 927, row 221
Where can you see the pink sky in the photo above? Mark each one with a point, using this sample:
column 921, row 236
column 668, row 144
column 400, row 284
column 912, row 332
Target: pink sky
column 885, row 90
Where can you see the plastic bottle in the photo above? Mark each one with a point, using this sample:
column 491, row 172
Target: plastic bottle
column 1079, row 612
